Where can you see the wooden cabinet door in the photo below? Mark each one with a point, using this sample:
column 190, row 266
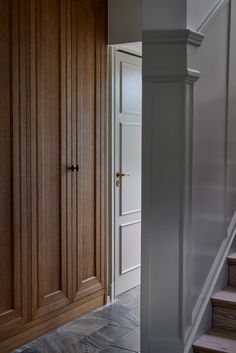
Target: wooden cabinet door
column 50, row 156
column 13, row 229
column 68, row 64
column 89, row 104
column 52, row 115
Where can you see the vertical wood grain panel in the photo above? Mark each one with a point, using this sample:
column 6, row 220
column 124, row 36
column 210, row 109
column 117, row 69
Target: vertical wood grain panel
column 88, row 48
column 6, row 277
column 49, row 246
column 53, row 110
column 13, row 230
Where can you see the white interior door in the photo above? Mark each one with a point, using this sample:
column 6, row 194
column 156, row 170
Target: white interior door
column 128, row 108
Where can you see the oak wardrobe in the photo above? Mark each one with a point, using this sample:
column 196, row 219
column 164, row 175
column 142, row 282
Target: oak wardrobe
column 53, row 164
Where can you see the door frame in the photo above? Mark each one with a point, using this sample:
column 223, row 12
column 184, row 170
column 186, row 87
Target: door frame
column 111, row 164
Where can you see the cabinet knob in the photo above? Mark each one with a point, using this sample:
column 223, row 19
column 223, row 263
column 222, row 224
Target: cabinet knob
column 74, row 168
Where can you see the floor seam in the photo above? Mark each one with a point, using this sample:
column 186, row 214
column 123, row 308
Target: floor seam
column 127, row 349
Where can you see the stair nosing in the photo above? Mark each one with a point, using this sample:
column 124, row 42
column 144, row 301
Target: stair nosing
column 225, row 302
column 232, row 259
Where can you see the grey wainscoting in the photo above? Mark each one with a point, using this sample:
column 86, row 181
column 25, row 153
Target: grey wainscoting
column 189, row 175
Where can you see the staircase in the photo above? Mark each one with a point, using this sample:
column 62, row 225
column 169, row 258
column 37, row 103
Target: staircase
column 222, row 337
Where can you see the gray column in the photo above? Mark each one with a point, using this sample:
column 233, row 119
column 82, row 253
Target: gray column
column 170, row 68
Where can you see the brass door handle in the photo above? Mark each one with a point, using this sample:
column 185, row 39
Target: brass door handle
column 119, row 175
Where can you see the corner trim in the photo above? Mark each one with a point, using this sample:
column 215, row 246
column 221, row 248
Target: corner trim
column 177, row 36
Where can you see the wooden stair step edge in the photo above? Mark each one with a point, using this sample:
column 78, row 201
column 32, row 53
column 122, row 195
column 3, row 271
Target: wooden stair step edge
column 232, row 259
column 225, row 298
column 216, row 342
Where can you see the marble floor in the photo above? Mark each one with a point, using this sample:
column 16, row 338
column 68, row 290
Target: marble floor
column 114, row 328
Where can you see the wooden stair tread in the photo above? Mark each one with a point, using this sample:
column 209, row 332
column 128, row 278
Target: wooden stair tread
column 232, row 259
column 216, row 342
column 225, row 298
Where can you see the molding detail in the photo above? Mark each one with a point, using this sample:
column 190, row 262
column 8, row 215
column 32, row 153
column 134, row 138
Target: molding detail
column 178, row 36
column 190, row 76
column 176, row 53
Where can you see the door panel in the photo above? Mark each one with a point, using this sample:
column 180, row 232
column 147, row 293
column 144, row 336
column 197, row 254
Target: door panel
column 130, row 238
column 49, row 165
column 128, row 156
column 130, row 186
column 131, row 89
column 13, row 231
column 88, row 40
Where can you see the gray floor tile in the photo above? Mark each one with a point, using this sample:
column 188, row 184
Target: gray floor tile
column 127, row 320
column 107, row 336
column 106, row 330
column 83, row 326
column 135, row 315
column 130, row 342
column 129, row 300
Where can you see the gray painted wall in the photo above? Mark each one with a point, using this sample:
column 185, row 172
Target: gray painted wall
column 169, row 14
column 210, row 139
column 125, row 21
column 164, row 14
column 231, row 175
column 177, row 260
column 197, row 11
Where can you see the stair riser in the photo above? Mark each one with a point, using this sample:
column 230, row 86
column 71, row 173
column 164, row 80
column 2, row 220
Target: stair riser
column 232, row 275
column 224, row 318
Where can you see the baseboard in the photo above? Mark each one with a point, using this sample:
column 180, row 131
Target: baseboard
column 29, row 334
column 167, row 347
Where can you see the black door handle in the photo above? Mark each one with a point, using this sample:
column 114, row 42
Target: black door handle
column 74, row 168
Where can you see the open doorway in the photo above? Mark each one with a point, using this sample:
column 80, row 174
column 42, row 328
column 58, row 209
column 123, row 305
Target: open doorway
column 125, row 92
column 126, row 141
column 125, row 187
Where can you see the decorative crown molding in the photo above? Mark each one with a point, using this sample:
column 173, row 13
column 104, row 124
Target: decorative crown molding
column 175, row 36
column 189, row 76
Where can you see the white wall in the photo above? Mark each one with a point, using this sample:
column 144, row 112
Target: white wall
column 125, row 21
column 197, row 11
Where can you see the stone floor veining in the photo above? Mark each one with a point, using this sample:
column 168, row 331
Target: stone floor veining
column 115, row 328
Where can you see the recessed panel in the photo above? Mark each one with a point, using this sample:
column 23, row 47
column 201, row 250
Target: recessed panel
column 131, row 89
column 130, row 247
column 48, row 181
column 13, row 231
column 131, row 164
column 6, row 220
column 88, row 79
